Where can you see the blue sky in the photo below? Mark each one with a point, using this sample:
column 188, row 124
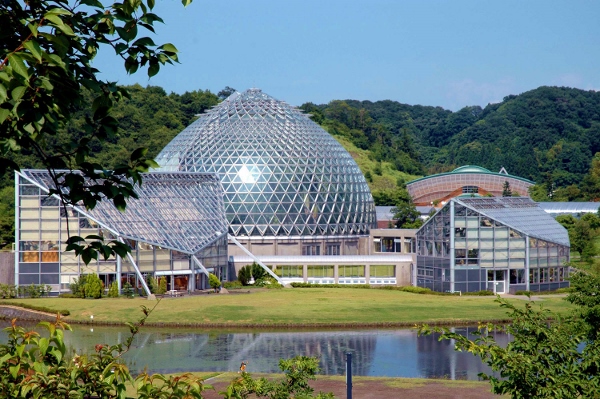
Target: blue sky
column 429, row 52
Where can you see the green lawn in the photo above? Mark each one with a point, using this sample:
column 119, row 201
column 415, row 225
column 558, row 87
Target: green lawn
column 293, row 307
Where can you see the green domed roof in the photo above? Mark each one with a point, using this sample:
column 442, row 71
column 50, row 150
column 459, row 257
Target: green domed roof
column 471, row 169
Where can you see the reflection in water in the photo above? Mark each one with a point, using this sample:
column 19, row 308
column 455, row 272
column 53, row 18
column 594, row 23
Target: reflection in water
column 398, row 353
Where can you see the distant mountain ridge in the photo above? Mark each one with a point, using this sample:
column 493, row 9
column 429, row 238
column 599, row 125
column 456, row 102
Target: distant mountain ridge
column 549, row 135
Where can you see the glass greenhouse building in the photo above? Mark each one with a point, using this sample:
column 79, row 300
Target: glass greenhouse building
column 176, row 228
column 497, row 244
column 282, row 174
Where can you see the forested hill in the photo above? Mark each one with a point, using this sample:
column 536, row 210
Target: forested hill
column 548, row 135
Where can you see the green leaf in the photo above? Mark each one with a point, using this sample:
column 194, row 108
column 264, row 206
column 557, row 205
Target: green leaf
column 57, row 11
column 3, row 115
column 18, row 65
column 33, row 28
column 119, row 202
column 151, row 4
column 17, row 92
column 94, row 237
column 14, row 370
column 168, row 47
column 139, row 153
column 3, row 93
column 153, row 69
column 58, row 23
column 186, row 2
column 34, row 48
column 43, row 345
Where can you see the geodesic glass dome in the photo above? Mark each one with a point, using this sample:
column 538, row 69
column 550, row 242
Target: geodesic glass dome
column 282, row 174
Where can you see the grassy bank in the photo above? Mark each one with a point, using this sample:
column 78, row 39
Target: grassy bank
column 378, row 387
column 293, row 307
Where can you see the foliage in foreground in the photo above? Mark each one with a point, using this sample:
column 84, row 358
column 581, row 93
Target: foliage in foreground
column 550, row 356
column 36, row 366
column 297, row 372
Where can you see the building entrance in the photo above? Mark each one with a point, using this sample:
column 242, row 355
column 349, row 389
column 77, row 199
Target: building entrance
column 496, row 281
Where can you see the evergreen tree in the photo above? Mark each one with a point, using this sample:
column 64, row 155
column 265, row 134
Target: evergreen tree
column 506, row 191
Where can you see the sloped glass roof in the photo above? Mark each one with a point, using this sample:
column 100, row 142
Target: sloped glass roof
column 181, row 211
column 282, row 174
column 570, row 207
column 521, row 214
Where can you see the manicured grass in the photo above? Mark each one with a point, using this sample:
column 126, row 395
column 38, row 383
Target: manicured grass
column 297, row 307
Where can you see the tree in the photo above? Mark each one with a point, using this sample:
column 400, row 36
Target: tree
column 506, row 191
column 550, row 355
column 581, row 235
column 407, row 216
column 226, row 92
column 46, row 74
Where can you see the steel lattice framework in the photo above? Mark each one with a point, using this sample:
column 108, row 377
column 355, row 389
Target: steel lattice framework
column 282, row 174
column 180, row 211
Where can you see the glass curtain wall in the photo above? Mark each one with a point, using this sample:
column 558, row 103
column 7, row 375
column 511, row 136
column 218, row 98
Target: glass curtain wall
column 487, row 255
column 44, row 226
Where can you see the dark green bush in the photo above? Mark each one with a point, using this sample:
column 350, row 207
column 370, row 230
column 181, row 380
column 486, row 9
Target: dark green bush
column 246, row 273
column 310, row 285
column 558, row 291
column 479, row 293
column 267, row 282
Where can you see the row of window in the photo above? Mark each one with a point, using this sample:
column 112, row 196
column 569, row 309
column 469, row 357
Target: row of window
column 315, row 249
column 318, row 271
column 515, row 276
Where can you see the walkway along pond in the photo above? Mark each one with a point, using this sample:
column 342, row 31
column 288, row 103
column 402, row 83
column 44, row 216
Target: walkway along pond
column 393, row 353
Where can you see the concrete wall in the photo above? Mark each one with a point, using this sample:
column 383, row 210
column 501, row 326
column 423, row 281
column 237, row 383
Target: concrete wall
column 7, row 267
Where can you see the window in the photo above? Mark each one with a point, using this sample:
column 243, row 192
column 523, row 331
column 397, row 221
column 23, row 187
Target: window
column 351, row 271
column 311, row 250
column 517, row 276
column 332, row 249
column 290, row 271
column 382, row 271
column 319, row 271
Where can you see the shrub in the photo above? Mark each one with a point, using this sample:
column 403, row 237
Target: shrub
column 8, row 291
column 310, row 285
column 214, row 282
column 113, row 290
column 232, row 285
column 93, row 286
column 127, row 290
column 151, row 282
column 294, row 384
column 479, row 293
column 162, row 285
column 416, row 290
column 558, row 291
column 247, row 272
column 268, row 282
column 77, row 287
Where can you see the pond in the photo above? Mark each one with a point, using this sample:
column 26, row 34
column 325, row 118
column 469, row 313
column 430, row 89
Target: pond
column 394, row 353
